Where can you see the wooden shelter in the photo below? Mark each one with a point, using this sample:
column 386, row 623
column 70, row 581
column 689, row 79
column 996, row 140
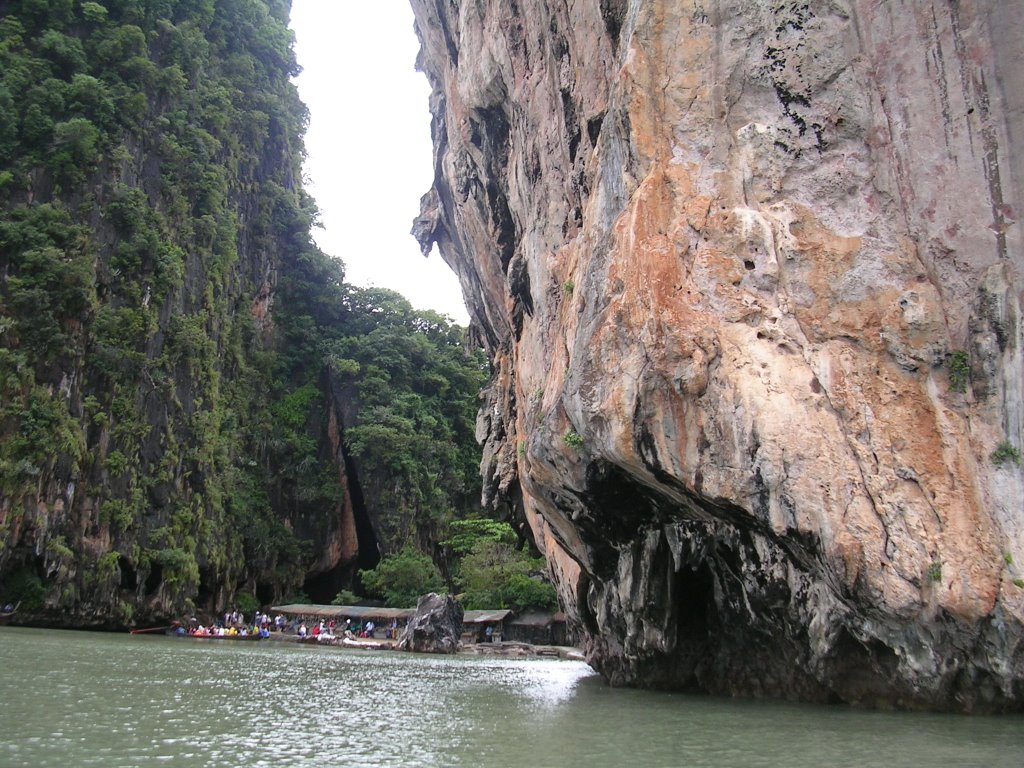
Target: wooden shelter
column 475, row 623
column 354, row 612
column 539, row 628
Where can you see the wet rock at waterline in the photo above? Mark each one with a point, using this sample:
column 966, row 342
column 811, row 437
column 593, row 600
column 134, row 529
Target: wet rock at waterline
column 435, row 628
column 749, row 275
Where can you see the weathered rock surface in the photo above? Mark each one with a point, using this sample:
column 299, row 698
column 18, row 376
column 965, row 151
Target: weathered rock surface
column 750, row 278
column 435, row 628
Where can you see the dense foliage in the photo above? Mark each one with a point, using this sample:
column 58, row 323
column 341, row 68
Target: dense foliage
column 499, row 576
column 402, row 578
column 492, row 572
column 415, row 389
column 173, row 346
column 465, row 534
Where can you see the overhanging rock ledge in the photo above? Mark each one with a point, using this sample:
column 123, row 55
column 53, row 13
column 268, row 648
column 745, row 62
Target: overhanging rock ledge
column 749, row 275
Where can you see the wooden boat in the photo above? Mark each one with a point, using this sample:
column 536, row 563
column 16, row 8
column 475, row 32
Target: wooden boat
column 169, row 629
column 177, row 630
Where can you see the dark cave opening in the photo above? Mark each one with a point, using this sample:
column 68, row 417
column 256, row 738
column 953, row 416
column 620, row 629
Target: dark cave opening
column 323, row 587
column 129, row 577
column 696, row 623
column 154, row 579
column 369, row 547
column 265, row 592
column 204, row 594
column 862, row 671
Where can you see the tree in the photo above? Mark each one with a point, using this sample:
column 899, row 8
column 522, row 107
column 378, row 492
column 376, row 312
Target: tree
column 401, row 578
column 464, row 535
column 497, row 575
column 76, row 149
column 346, row 597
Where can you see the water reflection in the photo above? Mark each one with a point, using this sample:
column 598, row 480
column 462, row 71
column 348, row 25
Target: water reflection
column 114, row 700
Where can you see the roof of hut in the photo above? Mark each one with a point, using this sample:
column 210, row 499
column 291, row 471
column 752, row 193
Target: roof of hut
column 485, row 617
column 358, row 612
column 363, row 612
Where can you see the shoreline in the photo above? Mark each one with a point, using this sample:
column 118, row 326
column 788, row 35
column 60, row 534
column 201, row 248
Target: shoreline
column 512, row 649
column 505, row 649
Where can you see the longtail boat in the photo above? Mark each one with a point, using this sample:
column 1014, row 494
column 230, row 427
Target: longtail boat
column 170, row 628
column 219, row 637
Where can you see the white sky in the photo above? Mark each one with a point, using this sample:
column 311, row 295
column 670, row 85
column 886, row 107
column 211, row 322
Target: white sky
column 368, row 145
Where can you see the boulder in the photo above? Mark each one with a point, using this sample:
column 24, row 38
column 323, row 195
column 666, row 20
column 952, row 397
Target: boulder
column 435, row 628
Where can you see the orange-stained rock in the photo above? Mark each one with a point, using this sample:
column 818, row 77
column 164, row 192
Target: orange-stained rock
column 726, row 258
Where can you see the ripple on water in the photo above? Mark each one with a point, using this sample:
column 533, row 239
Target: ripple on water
column 70, row 699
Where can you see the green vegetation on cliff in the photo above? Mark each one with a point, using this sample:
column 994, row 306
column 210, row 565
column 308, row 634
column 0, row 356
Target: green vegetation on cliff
column 491, row 571
column 193, row 402
column 401, row 578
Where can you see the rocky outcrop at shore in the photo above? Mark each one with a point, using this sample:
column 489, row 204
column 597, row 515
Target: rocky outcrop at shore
column 750, row 280
column 435, row 627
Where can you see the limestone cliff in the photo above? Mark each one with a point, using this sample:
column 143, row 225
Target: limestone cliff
column 197, row 411
column 152, row 235
column 750, row 278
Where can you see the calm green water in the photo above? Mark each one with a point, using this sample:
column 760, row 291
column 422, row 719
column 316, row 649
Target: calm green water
column 74, row 699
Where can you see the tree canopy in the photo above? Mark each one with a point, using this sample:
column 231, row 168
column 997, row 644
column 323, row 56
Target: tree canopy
column 403, row 577
column 494, row 573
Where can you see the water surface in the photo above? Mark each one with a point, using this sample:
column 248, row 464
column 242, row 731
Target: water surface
column 89, row 699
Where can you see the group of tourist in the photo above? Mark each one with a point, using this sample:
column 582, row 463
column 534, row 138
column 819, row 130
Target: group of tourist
column 326, row 629
column 219, row 630
column 236, row 618
column 234, row 624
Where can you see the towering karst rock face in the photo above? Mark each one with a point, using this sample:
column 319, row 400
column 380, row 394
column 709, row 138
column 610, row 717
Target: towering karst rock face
column 750, row 277
column 197, row 411
column 154, row 255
